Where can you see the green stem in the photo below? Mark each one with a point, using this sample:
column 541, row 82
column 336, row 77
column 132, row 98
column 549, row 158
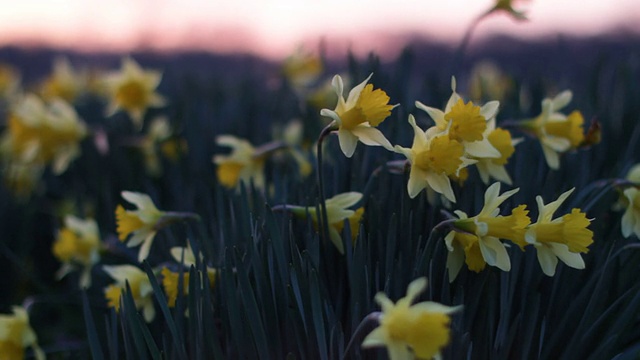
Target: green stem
column 394, row 166
column 358, row 335
column 323, row 221
column 459, row 54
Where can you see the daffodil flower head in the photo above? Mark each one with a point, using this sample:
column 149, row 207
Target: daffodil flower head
column 631, row 216
column 501, row 140
column 77, row 245
column 64, row 82
column 483, row 232
column 434, row 156
column 561, row 238
column 171, row 281
column 142, row 224
column 507, row 6
column 465, row 123
column 16, row 334
column 187, row 257
column 44, row 133
column 133, row 90
column 558, row 133
column 141, row 289
column 243, row 164
column 302, row 68
column 411, row 331
column 358, row 116
column 337, row 212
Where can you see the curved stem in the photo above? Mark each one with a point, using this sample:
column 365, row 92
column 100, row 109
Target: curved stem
column 459, row 54
column 323, row 221
column 368, row 321
column 391, row 166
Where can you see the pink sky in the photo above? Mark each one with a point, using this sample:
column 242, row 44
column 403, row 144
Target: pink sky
column 274, row 28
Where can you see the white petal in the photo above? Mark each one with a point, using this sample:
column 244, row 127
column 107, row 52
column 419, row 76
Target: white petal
column 561, row 100
column 416, row 287
column 344, row 200
column 436, row 114
column 417, row 181
column 547, row 211
column 375, row 338
column 338, row 85
column 481, row 149
column 490, row 109
column 354, row 94
column 547, row 260
column 441, row 184
column 494, row 253
column 331, row 114
column 348, row 142
column 146, row 246
column 336, row 239
column 140, row 200
column 371, row 136
column 571, row 259
column 455, row 260
column 551, row 157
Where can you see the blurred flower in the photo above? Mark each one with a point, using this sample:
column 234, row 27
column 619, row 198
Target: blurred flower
column 562, row 238
column 357, row 117
column 558, row 133
column 64, row 82
column 631, row 217
column 487, row 81
column 476, row 240
column 244, row 164
column 291, row 136
column 141, row 289
column 16, row 334
column 43, row 134
column 143, row 223
column 170, row 279
column 337, row 212
column 465, row 123
column 323, row 95
column 433, row 157
column 133, row 90
column 302, row 69
column 411, row 331
column 21, row 178
column 507, row 6
column 160, row 140
column 77, row 245
column 9, row 81
column 501, row 140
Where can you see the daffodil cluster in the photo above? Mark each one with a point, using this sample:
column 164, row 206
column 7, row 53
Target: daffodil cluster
column 476, row 240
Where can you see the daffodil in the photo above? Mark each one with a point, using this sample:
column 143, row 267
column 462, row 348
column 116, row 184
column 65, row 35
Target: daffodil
column 21, row 178
column 358, row 116
column 64, row 82
column 143, row 223
column 408, row 331
column 557, row 133
column 77, row 245
column 292, row 136
column 507, row 6
column 9, row 81
column 243, row 164
column 488, row 81
column 476, row 240
column 43, row 134
column 16, row 334
column 337, row 212
column 170, row 279
column 562, row 238
column 501, row 140
column 302, row 69
column 465, row 123
column 133, row 90
column 141, row 289
column 434, row 156
column 631, row 216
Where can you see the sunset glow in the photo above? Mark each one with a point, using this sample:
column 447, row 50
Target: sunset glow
column 273, row 28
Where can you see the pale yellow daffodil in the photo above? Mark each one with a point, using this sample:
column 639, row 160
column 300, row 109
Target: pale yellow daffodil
column 358, row 116
column 495, row 167
column 243, row 164
column 77, row 245
column 142, row 224
column 141, row 289
column 16, row 334
column 409, row 331
column 171, row 279
column 631, row 217
column 64, row 82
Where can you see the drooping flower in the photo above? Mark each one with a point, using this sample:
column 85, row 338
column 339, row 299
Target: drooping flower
column 16, row 334
column 43, row 134
column 243, row 164
column 434, row 156
column 337, row 212
column 358, row 116
column 77, row 245
column 465, row 123
column 410, row 331
column 141, row 289
column 557, row 133
column 133, row 90
column 64, row 82
column 561, row 238
column 476, row 240
column 170, row 279
column 143, row 223
column 495, row 167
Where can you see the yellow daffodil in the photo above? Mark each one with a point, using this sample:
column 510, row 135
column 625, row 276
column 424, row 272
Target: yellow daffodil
column 42, row 134
column 557, row 133
column 476, row 240
column 358, row 116
column 141, row 289
column 631, row 217
column 170, row 279
column 562, row 238
column 411, row 331
column 465, row 123
column 64, row 82
column 302, row 69
column 434, row 156
column 77, row 244
column 495, row 167
column 9, row 81
column 16, row 334
column 243, row 164
column 142, row 223
column 487, row 81
column 21, row 178
column 133, row 90
column 507, row 6
column 292, row 136
column 158, row 135
column 337, row 212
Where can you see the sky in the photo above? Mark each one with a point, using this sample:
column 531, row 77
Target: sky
column 274, row 28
